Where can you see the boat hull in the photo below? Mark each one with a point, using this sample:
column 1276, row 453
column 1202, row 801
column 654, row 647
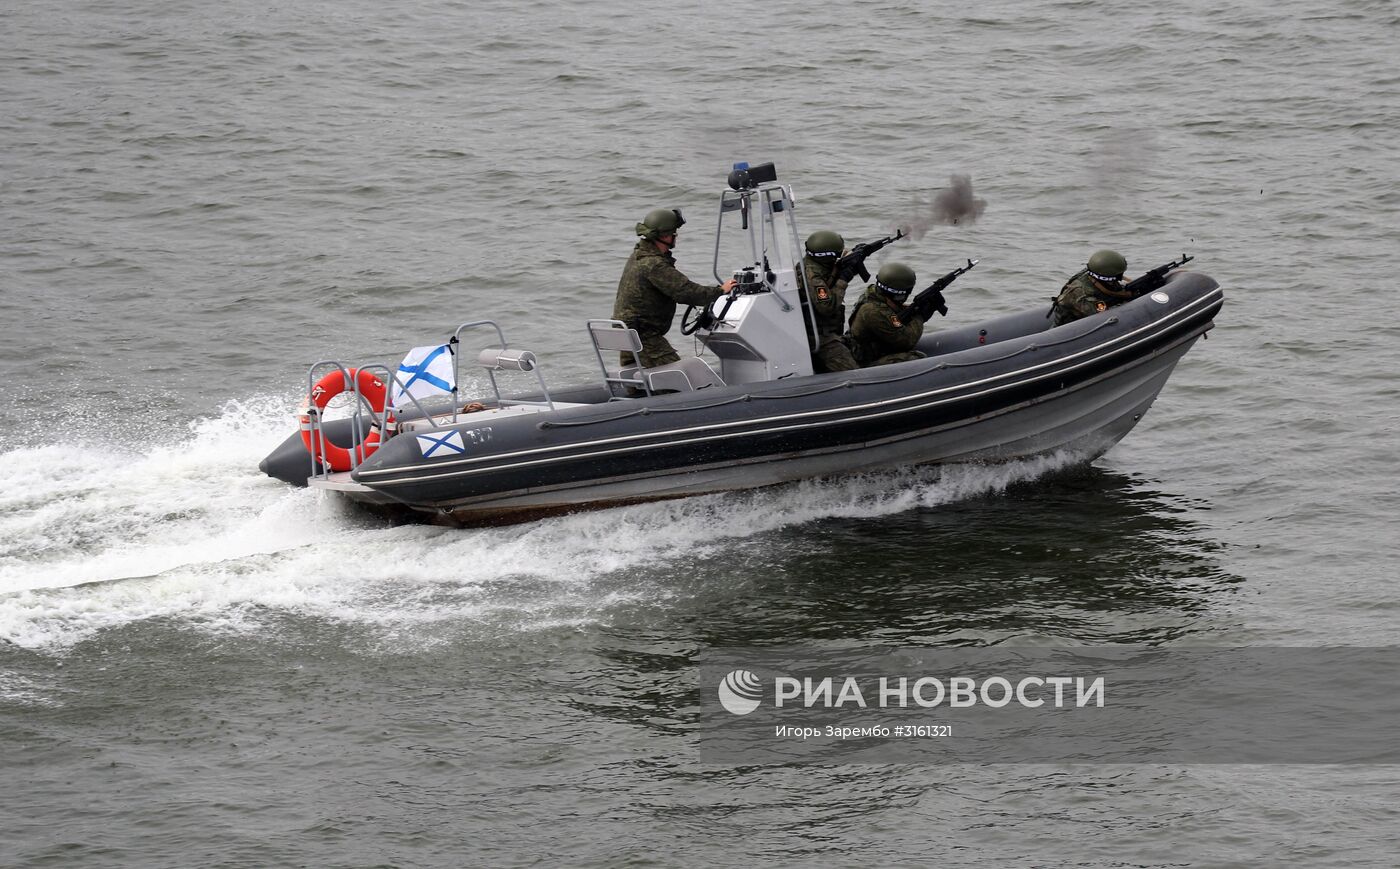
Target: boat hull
column 1084, row 424
column 997, row 391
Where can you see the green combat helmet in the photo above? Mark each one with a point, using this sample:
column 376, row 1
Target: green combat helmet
column 662, row 221
column 1107, row 265
column 895, row 280
column 825, row 244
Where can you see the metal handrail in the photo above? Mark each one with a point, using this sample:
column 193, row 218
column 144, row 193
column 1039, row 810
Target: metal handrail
column 799, row 270
column 454, row 342
column 313, row 414
column 521, row 360
column 768, row 195
column 791, row 211
column 491, row 370
column 524, row 361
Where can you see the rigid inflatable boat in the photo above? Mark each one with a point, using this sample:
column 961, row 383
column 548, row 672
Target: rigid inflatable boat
column 1006, row 388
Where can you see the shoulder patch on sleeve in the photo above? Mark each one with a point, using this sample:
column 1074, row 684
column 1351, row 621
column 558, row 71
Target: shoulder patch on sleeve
column 822, row 293
column 1100, row 307
column 894, row 321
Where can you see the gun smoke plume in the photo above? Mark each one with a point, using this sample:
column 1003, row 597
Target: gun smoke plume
column 950, row 206
column 1118, row 171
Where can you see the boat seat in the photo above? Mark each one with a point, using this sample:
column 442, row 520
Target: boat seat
column 686, row 375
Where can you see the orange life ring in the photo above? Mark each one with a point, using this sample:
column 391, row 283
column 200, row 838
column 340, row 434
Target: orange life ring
column 337, row 458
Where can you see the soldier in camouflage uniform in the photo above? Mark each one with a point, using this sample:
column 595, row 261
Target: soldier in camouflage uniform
column 826, row 294
column 651, row 286
column 882, row 331
column 1095, row 288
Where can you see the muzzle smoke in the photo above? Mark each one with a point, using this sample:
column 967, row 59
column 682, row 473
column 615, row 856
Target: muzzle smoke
column 950, row 206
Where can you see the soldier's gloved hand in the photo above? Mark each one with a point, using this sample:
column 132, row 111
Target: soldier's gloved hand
column 847, row 269
column 933, row 302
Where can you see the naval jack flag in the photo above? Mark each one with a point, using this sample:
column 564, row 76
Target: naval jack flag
column 424, row 372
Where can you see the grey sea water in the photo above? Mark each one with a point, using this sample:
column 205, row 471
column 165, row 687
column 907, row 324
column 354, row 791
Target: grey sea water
column 199, row 665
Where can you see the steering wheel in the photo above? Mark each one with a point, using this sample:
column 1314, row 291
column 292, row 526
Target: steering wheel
column 700, row 314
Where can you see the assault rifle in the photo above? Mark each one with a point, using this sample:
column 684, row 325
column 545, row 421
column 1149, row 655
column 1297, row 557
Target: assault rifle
column 931, row 299
column 853, row 263
column 1154, row 279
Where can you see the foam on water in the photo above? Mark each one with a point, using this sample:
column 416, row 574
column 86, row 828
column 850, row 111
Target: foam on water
column 19, row 690
column 97, row 538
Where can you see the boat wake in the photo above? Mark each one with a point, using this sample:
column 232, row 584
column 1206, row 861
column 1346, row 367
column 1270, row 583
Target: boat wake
column 96, row 538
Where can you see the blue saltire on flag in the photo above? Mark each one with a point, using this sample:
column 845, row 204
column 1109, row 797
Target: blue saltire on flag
column 439, row 444
column 424, row 371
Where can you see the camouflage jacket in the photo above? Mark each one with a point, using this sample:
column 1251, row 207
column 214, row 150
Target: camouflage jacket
column 1081, row 297
column 650, row 288
column 826, row 295
column 879, row 330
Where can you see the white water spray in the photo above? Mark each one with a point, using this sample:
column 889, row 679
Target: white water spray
column 96, row 538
